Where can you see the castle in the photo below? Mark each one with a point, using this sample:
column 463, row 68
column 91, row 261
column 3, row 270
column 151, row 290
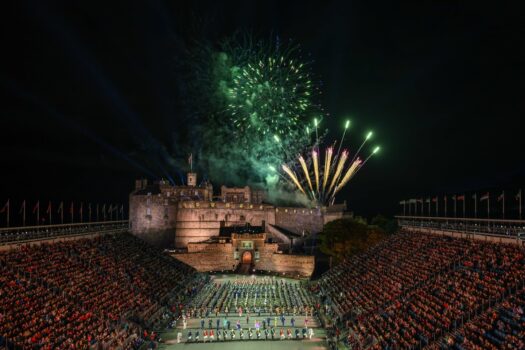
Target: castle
column 191, row 217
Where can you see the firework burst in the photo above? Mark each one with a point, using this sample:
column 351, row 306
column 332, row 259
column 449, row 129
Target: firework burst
column 321, row 184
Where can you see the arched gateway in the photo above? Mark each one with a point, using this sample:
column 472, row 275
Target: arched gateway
column 247, row 257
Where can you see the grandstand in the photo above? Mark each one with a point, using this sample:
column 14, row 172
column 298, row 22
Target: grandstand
column 434, row 284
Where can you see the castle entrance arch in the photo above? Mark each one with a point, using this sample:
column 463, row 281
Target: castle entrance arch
column 247, row 257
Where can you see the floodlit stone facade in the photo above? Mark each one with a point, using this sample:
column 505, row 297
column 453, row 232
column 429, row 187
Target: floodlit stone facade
column 175, row 216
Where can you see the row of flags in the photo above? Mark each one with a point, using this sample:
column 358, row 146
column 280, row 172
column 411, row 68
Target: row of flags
column 407, row 204
column 103, row 212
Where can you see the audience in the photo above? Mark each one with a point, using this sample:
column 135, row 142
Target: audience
column 414, row 288
column 73, row 294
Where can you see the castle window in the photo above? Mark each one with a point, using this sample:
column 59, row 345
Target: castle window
column 148, row 211
column 165, row 212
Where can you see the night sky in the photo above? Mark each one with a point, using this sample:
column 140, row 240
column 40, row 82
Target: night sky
column 442, row 86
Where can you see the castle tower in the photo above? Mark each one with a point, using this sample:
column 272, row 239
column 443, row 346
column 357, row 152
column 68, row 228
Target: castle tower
column 192, row 179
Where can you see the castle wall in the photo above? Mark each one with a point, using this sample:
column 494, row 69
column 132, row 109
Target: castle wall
column 209, row 257
column 164, row 219
column 153, row 219
column 206, row 257
column 198, row 221
column 301, row 264
column 298, row 219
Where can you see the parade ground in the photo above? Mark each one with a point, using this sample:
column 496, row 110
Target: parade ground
column 301, row 330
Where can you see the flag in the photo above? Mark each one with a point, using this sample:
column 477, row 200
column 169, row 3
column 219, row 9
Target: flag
column 501, row 196
column 122, row 210
column 72, row 208
column 402, row 202
column 518, row 195
column 460, row 198
column 484, row 197
column 435, row 199
column 48, row 210
column 60, row 207
column 190, row 159
column 474, row 196
column 420, row 200
column 412, row 201
column 427, row 200
column 6, row 207
column 454, row 197
column 36, row 207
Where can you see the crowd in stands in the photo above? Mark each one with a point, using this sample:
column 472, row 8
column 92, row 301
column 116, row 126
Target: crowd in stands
column 500, row 327
column 414, row 288
column 100, row 292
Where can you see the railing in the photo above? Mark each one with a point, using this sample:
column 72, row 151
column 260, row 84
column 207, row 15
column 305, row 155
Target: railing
column 487, row 227
column 12, row 235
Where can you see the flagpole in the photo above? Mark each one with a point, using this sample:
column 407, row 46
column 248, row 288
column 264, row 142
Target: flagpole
column 488, row 207
column 437, row 206
column 24, row 214
column 503, row 203
column 61, row 211
column 519, row 194
column 97, row 212
column 476, row 205
column 464, row 200
column 8, row 212
column 455, row 200
column 49, row 212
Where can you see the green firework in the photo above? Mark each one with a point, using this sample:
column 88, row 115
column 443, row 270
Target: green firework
column 269, row 96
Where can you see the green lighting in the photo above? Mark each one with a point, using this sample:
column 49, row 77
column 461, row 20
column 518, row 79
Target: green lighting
column 369, row 135
column 376, row 150
column 347, row 124
column 276, row 138
column 315, row 122
column 272, row 168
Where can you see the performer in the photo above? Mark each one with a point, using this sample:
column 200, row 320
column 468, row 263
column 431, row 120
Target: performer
column 205, row 336
column 212, row 336
column 281, row 334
